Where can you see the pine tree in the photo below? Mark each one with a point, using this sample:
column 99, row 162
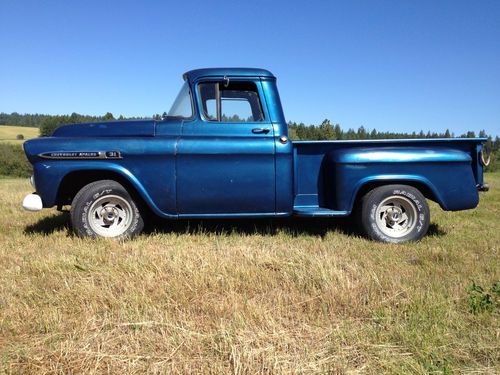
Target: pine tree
column 108, row 117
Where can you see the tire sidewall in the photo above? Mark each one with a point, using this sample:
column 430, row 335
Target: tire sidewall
column 88, row 195
column 376, row 196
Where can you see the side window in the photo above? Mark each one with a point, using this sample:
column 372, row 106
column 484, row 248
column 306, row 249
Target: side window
column 235, row 102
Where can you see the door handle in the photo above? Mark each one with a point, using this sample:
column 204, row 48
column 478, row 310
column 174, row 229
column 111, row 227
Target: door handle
column 260, row 130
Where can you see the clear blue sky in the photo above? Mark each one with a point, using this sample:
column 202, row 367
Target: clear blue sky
column 400, row 65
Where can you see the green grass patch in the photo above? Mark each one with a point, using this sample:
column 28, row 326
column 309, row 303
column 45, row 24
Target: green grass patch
column 13, row 161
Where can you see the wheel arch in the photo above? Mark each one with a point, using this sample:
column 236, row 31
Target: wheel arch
column 427, row 189
column 75, row 180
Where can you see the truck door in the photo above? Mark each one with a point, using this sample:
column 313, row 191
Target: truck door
column 226, row 154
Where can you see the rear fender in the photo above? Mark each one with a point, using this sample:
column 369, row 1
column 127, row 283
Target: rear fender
column 442, row 174
column 454, row 195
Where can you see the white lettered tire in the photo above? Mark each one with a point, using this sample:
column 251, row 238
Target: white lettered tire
column 394, row 213
column 105, row 209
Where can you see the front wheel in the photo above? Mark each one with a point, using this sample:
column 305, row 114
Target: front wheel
column 105, row 209
column 394, row 213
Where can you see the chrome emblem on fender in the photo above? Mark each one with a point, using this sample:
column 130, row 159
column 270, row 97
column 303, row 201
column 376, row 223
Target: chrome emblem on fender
column 81, row 155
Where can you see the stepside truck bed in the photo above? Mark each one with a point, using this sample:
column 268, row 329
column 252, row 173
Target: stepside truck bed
column 328, row 175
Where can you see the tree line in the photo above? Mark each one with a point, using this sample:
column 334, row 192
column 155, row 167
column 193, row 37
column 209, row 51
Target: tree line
column 327, row 131
column 17, row 119
column 297, row 131
column 48, row 123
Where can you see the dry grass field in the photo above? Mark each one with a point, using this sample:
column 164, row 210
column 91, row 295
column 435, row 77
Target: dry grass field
column 247, row 297
column 8, row 134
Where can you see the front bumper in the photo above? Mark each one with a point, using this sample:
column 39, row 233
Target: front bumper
column 483, row 187
column 32, row 202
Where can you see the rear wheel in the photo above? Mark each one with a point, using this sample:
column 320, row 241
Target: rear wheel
column 105, row 209
column 394, row 213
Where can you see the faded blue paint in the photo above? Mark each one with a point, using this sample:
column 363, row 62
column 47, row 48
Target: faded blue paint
column 193, row 168
column 133, row 128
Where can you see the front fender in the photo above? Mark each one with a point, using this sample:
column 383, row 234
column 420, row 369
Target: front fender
column 49, row 175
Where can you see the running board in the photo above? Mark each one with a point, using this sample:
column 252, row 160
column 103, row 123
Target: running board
column 315, row 211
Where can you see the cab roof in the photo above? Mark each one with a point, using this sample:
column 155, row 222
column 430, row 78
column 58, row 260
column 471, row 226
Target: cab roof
column 193, row 75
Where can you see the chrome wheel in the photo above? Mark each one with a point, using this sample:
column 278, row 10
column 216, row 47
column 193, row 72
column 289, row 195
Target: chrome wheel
column 110, row 216
column 396, row 216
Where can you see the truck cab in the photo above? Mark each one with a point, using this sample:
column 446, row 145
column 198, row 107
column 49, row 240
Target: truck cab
column 228, row 155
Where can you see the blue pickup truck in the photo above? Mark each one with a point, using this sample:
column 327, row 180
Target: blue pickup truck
column 223, row 152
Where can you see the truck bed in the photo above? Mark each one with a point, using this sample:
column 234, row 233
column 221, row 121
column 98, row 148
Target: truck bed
column 328, row 175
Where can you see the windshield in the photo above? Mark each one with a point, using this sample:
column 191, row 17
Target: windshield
column 182, row 105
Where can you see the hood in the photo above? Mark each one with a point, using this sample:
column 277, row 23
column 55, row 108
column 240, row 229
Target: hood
column 130, row 128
